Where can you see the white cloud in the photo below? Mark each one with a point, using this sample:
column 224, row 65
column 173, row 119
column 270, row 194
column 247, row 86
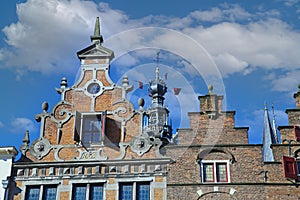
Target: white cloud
column 291, row 2
column 20, row 125
column 1, row 124
column 286, row 82
column 225, row 13
column 43, row 43
column 62, row 27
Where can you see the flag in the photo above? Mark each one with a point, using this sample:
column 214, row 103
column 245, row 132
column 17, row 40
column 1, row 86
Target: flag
column 166, row 76
column 177, row 91
column 140, row 84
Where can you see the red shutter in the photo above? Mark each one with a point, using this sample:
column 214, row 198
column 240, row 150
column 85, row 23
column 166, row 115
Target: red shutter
column 297, row 132
column 289, row 167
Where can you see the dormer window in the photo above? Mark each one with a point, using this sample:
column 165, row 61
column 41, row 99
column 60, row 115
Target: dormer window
column 90, row 128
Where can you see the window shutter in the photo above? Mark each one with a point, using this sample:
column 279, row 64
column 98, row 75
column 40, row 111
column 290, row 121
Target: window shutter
column 289, row 167
column 297, row 132
column 77, row 128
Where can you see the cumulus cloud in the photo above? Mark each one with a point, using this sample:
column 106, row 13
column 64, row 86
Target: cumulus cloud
column 1, row 124
column 62, row 27
column 230, row 36
column 286, row 81
column 20, row 125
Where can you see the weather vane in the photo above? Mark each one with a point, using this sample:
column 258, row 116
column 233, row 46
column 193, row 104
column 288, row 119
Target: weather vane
column 157, row 59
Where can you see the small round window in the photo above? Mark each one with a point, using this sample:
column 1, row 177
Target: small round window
column 93, row 88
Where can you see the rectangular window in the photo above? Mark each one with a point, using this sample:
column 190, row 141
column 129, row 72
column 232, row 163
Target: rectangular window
column 134, row 191
column 96, row 192
column 126, row 190
column 214, row 171
column 79, row 192
column 32, row 193
column 48, row 192
column 90, row 128
column 93, row 191
column 143, row 191
column 208, row 172
column 221, row 172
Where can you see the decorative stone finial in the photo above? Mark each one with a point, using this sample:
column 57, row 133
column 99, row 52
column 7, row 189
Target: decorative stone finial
column 45, row 106
column 125, row 81
column 141, row 102
column 97, row 37
column 24, row 147
column 26, row 137
column 210, row 89
column 63, row 83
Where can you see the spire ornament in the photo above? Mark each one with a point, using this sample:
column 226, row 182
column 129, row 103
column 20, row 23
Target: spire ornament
column 25, row 146
column 97, row 37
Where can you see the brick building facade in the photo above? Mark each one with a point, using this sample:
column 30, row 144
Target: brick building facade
column 94, row 144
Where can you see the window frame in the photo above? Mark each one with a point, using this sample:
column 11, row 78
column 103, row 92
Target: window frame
column 42, row 190
column 214, row 164
column 88, row 189
column 135, row 187
column 80, row 132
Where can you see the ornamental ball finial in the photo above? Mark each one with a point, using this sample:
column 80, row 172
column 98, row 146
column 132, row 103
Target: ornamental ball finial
column 63, row 83
column 45, row 106
column 210, row 89
column 125, row 81
column 141, row 102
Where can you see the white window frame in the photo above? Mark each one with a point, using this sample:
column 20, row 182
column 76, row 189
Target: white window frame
column 214, row 162
column 134, row 181
column 41, row 189
column 134, row 187
column 88, row 184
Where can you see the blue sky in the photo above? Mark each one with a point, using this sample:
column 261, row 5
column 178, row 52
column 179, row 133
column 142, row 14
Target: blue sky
column 249, row 51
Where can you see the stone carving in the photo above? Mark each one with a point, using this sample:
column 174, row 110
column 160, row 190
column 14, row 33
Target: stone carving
column 91, row 155
column 123, row 110
column 141, row 144
column 40, row 148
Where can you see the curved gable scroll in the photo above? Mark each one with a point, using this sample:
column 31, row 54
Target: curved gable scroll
column 227, row 154
column 297, row 153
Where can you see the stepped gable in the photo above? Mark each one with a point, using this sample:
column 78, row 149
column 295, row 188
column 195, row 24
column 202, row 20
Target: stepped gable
column 212, row 125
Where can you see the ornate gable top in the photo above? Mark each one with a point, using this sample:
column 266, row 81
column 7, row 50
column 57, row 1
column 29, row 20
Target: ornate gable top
column 96, row 50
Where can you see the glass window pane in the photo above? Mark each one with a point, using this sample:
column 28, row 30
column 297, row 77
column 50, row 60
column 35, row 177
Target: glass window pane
column 143, row 191
column 96, row 192
column 298, row 166
column 32, row 193
column 49, row 193
column 208, row 175
column 79, row 192
column 126, row 191
column 221, row 172
column 92, row 127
